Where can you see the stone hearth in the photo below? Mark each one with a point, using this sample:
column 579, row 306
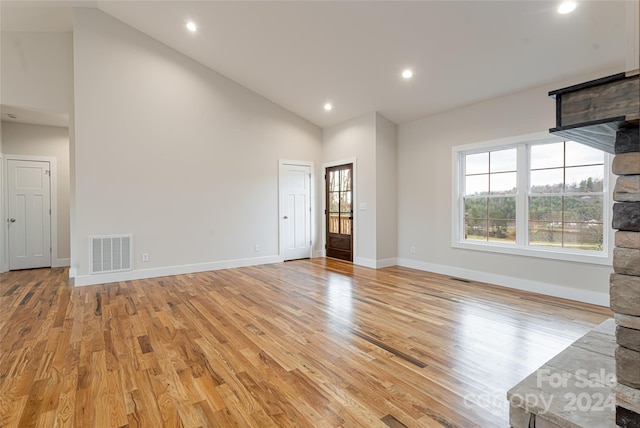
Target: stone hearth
column 576, row 388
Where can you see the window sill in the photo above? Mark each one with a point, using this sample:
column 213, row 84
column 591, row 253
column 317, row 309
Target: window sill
column 596, row 258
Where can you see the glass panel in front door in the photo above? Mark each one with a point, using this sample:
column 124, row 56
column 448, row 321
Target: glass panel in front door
column 340, row 209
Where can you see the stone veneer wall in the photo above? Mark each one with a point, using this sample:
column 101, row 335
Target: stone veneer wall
column 625, row 281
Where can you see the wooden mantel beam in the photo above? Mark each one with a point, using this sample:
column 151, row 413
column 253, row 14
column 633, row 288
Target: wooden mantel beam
column 592, row 112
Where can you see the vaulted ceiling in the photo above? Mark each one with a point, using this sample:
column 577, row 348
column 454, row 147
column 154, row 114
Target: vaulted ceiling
column 301, row 54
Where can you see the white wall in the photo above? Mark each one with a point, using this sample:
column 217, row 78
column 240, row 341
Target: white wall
column 3, row 267
column 633, row 35
column 37, row 71
column 186, row 160
column 36, row 140
column 355, row 139
column 386, row 189
column 175, row 154
column 371, row 141
column 424, row 196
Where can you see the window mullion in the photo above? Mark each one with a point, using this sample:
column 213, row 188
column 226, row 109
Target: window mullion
column 522, row 214
column 460, row 224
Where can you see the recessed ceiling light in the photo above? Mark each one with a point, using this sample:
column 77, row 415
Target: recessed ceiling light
column 328, row 106
column 407, row 74
column 191, row 26
column 567, row 7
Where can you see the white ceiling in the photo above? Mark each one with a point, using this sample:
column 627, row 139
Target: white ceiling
column 300, row 54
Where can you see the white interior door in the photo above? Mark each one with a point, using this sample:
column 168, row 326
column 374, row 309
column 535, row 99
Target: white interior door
column 29, row 208
column 295, row 191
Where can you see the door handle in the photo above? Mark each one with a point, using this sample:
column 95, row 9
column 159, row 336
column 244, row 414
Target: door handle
column 285, row 217
column 13, row 220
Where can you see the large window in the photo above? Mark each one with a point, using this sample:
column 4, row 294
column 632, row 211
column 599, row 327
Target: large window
column 545, row 198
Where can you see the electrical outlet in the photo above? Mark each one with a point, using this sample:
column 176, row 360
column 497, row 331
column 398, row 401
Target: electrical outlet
column 413, row 250
column 145, row 257
column 257, row 247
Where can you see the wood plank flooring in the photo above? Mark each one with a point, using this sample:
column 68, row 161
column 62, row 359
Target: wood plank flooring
column 310, row 343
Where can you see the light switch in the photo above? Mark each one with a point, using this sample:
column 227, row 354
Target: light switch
column 363, row 206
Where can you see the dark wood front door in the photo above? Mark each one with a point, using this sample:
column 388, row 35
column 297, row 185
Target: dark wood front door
column 339, row 212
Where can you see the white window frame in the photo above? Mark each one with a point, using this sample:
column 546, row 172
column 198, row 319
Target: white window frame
column 521, row 246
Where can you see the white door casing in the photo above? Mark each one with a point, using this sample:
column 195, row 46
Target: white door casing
column 295, row 213
column 29, row 214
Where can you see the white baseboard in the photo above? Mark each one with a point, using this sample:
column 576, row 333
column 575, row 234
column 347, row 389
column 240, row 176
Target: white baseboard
column 585, row 296
column 171, row 270
column 383, row 263
column 374, row 264
column 361, row 261
column 319, row 254
column 555, row 290
column 61, row 263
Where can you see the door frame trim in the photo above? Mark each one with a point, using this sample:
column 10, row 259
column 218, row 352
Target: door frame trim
column 312, row 195
column 53, row 195
column 354, row 203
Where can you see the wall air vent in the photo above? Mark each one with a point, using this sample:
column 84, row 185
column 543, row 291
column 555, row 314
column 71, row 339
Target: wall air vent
column 109, row 254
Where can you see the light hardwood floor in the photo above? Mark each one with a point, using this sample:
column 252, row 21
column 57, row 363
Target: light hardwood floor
column 303, row 344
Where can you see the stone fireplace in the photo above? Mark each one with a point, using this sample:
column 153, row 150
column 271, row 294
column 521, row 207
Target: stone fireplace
column 605, row 114
column 625, row 281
